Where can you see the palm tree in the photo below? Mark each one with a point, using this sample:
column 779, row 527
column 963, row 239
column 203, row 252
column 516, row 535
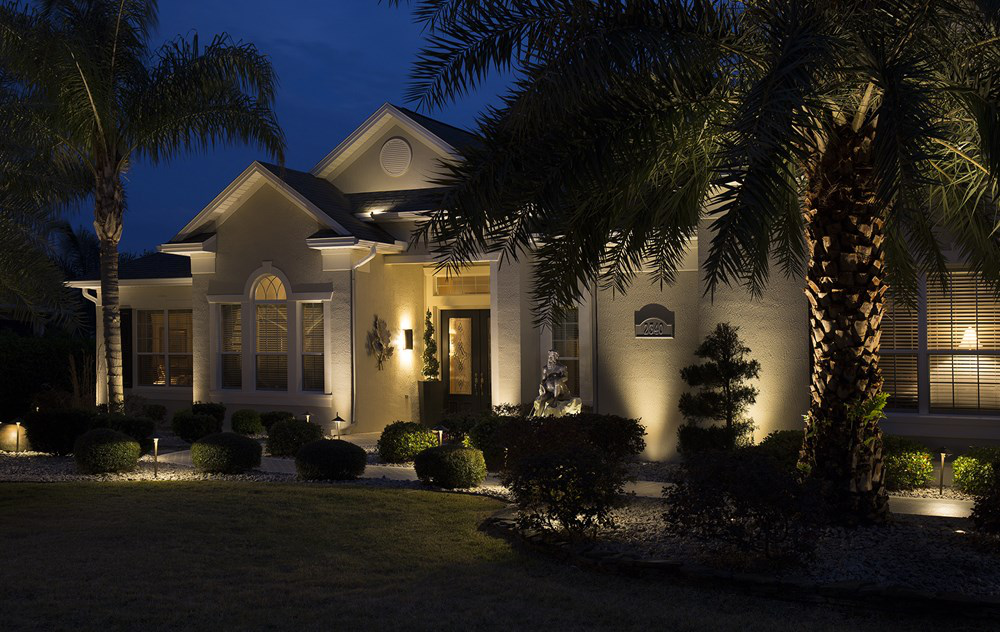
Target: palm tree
column 842, row 139
column 97, row 97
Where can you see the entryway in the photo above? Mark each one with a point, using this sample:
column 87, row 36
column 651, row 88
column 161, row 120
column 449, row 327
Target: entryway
column 466, row 354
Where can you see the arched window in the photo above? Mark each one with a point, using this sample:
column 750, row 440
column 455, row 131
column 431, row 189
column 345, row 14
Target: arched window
column 271, row 318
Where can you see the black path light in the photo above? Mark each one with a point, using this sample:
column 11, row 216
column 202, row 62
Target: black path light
column 944, row 454
column 338, row 425
column 156, row 455
column 17, row 437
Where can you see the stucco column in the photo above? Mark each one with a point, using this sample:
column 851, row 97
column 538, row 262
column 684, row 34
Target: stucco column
column 201, row 339
column 514, row 341
column 338, row 345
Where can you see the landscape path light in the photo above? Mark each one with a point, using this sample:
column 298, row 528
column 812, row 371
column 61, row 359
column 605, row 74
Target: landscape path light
column 308, row 416
column 338, row 425
column 156, row 454
column 944, row 453
column 17, row 437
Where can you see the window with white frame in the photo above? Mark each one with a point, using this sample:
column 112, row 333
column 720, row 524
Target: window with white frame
column 899, row 356
column 312, row 347
column 566, row 342
column 271, row 347
column 231, row 346
column 163, row 347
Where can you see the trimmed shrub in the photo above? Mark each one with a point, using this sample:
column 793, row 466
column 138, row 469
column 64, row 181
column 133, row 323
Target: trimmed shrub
column 56, row 431
column 210, row 408
column 986, row 510
column 693, row 440
column 190, row 426
column 451, row 466
column 14, row 438
column 104, row 450
column 272, row 417
column 247, row 422
column 139, row 428
column 784, row 446
column 225, row 453
column 908, row 463
column 973, row 471
column 156, row 412
column 330, row 460
column 286, row 437
column 490, row 436
column 401, row 441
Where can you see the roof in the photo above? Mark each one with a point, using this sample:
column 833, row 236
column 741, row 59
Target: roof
column 156, row 265
column 402, row 201
column 328, row 199
column 197, row 238
column 454, row 136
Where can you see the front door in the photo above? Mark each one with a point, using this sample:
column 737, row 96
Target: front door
column 466, row 370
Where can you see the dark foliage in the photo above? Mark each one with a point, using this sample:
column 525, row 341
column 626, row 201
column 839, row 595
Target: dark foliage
column 784, row 446
column 156, row 412
column 330, row 460
column 908, row 463
column 986, row 510
column 190, row 426
column 56, row 431
column 693, row 440
column 272, row 417
column 401, row 441
column 139, row 428
column 32, row 364
column 451, row 466
column 286, row 437
column 209, row 408
column 225, row 453
column 103, row 450
column 247, row 422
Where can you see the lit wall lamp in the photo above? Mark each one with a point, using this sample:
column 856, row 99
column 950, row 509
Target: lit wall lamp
column 408, row 339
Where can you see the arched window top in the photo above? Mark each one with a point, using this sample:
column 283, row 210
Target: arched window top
column 270, row 288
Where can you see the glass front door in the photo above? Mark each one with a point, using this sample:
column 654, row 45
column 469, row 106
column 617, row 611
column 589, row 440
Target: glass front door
column 466, row 366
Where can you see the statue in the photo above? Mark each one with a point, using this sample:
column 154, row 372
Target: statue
column 554, row 398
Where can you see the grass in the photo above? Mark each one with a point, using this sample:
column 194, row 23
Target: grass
column 243, row 556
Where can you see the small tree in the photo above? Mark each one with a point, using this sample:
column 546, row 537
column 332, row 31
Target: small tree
column 723, row 394
column 431, row 366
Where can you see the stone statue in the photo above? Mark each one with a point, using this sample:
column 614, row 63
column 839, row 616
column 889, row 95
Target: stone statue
column 554, row 398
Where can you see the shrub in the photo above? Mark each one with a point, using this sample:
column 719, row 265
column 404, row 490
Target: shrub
column 225, row 453
column 693, row 440
column 973, row 471
column 210, row 408
column 747, row 498
column 190, row 426
column 569, row 473
column 986, row 510
column 14, row 438
column 272, row 417
column 460, row 426
column 247, row 422
column 451, row 466
column 784, row 446
column 401, row 441
column 56, row 431
column 104, row 450
column 330, row 460
column 490, row 436
column 139, row 428
column 908, row 463
column 156, row 412
column 286, row 437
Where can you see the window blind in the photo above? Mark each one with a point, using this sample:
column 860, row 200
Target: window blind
column 231, row 346
column 312, row 347
column 566, row 342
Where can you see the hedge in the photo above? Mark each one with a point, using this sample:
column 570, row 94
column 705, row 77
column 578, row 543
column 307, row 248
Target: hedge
column 974, row 471
column 451, row 466
column 56, row 431
column 285, row 438
column 401, row 441
column 908, row 463
column 247, row 422
column 190, row 426
column 272, row 417
column 225, row 453
column 330, row 460
column 103, row 450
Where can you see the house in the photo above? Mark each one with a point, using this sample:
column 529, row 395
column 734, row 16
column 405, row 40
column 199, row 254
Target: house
column 266, row 299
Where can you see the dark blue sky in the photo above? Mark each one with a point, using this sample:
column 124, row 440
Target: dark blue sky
column 337, row 61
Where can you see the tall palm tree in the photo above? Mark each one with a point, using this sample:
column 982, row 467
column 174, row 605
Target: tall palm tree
column 841, row 140
column 96, row 95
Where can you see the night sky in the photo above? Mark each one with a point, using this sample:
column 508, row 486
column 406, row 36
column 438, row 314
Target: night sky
column 337, row 62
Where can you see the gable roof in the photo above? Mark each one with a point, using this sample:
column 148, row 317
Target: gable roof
column 156, row 265
column 454, row 136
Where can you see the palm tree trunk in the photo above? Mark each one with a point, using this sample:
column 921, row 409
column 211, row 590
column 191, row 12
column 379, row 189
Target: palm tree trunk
column 845, row 287
column 108, row 210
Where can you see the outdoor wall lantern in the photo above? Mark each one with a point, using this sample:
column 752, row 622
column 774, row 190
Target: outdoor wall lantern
column 408, row 339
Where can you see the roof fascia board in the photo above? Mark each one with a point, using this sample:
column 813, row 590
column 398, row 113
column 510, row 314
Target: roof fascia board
column 91, row 284
column 353, row 243
column 187, row 249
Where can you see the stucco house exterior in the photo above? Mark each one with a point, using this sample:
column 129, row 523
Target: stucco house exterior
column 266, row 298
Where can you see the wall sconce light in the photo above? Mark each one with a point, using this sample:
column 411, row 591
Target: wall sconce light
column 408, row 339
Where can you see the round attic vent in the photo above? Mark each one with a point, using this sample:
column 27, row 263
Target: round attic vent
column 395, row 156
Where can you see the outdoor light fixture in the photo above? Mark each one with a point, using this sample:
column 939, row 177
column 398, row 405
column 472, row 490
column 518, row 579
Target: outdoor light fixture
column 17, row 437
column 338, row 425
column 944, row 453
column 156, row 454
column 439, row 431
column 408, row 339
column 308, row 416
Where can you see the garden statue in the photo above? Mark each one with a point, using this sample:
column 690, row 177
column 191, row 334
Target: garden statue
column 554, row 398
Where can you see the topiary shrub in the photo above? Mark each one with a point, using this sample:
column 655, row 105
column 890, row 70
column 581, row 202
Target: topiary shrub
column 330, row 460
column 14, row 438
column 693, row 440
column 247, row 422
column 156, row 412
column 451, row 466
column 190, row 426
column 286, row 437
column 103, row 450
column 908, row 463
column 56, row 431
column 401, row 441
column 272, row 417
column 973, row 471
column 783, row 446
column 225, row 453
column 210, row 408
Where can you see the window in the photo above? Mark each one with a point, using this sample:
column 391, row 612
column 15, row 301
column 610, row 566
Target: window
column 271, row 312
column 312, row 347
column 566, row 342
column 899, row 358
column 461, row 285
column 231, row 346
column 163, row 347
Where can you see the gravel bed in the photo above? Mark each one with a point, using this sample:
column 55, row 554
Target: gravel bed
column 915, row 552
column 950, row 493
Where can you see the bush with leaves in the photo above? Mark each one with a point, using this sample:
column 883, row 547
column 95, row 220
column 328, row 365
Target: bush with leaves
column 783, row 445
column 490, row 437
column 973, row 471
column 569, row 473
column 139, row 428
column 55, row 431
column 190, row 426
column 247, row 422
column 330, row 460
column 401, row 441
column 908, row 463
column 210, row 408
column 722, row 394
column 451, row 466
column 103, row 450
column 429, row 366
column 748, row 498
column 156, row 412
column 986, row 510
column 285, row 438
column 225, row 453
column 272, row 417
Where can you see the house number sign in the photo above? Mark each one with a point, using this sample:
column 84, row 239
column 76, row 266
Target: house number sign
column 654, row 321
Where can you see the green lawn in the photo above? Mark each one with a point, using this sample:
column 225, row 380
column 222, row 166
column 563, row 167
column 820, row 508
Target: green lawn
column 244, row 556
